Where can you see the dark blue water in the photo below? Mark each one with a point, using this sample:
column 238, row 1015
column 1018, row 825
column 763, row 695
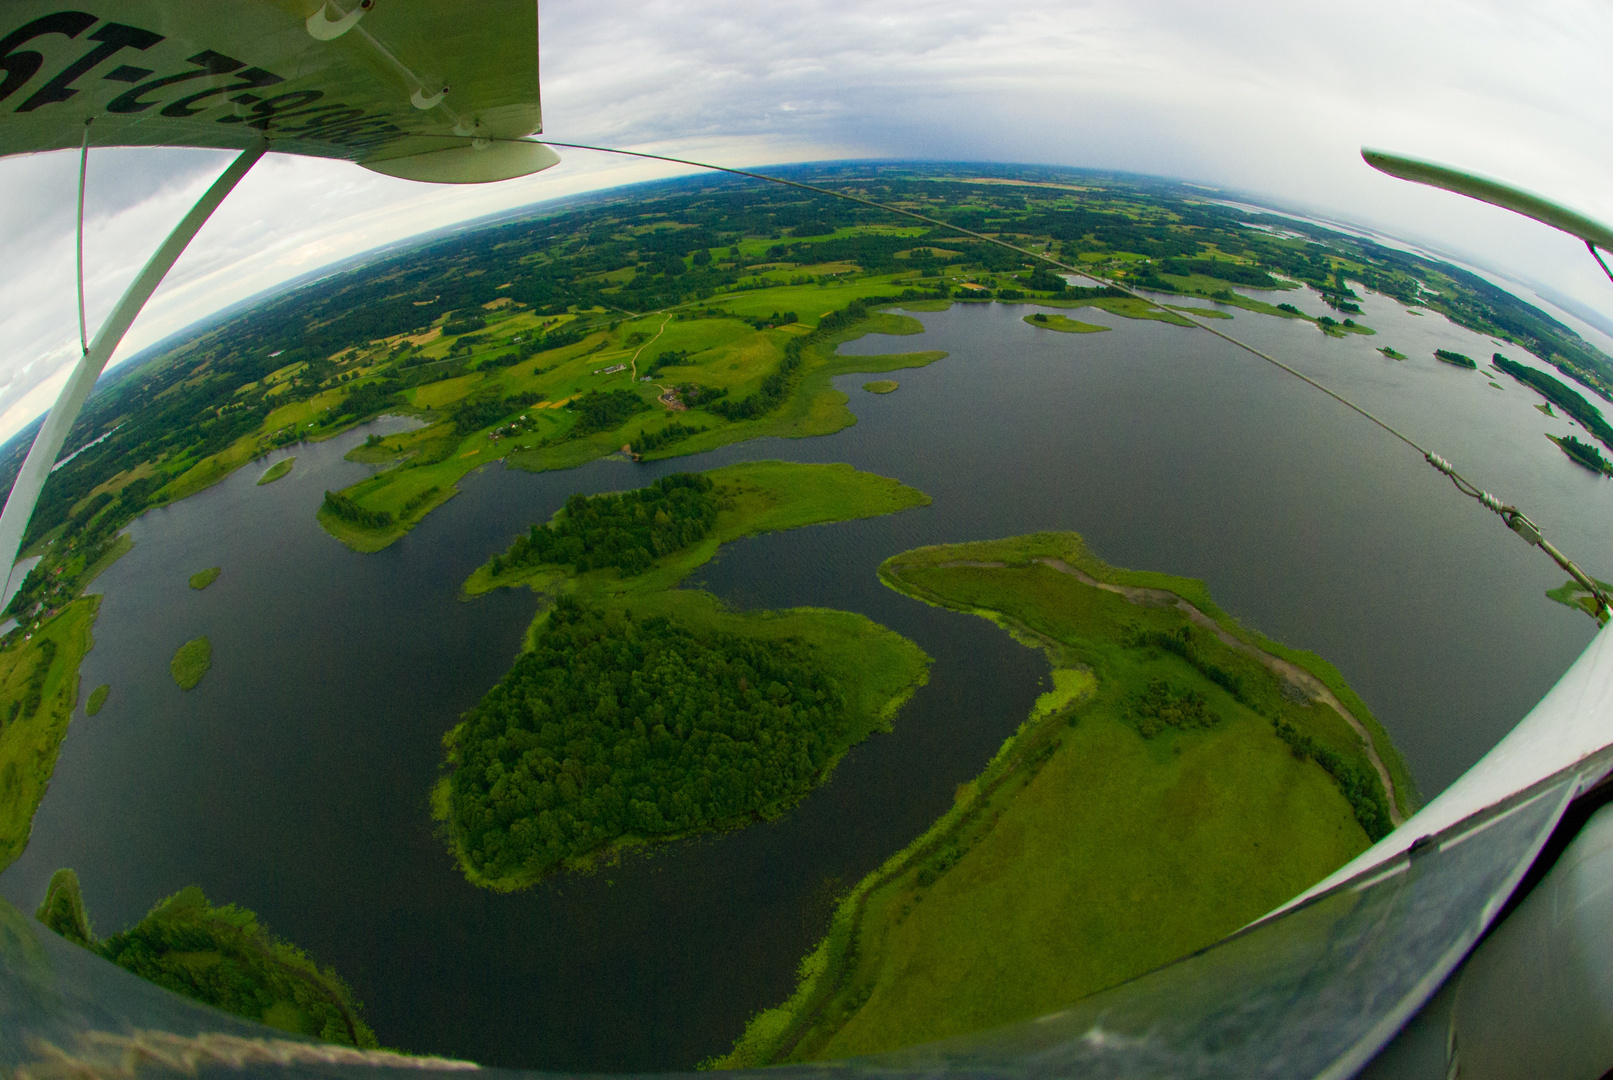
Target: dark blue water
column 294, row 780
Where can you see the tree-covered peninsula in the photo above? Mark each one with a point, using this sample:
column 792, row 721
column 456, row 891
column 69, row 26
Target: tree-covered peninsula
column 221, row 956
column 641, row 711
column 1181, row 776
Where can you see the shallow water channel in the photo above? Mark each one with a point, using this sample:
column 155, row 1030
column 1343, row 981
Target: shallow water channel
column 294, row 779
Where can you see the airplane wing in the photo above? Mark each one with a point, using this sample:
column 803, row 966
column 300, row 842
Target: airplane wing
column 423, row 89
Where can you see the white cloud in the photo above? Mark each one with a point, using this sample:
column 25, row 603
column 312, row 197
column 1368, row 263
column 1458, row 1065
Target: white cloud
column 1271, row 99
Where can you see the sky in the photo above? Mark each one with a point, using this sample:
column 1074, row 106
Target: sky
column 1268, row 100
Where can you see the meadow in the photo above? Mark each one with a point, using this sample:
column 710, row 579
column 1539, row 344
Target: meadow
column 1095, row 846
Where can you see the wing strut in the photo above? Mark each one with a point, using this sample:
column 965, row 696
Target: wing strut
column 53, row 433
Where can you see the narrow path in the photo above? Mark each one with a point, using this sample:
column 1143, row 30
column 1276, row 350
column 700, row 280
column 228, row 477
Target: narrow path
column 634, row 362
column 1283, row 668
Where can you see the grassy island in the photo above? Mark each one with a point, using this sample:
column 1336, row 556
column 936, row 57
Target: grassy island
column 38, row 690
column 881, row 386
column 97, row 699
column 277, row 470
column 1063, row 324
column 643, row 712
column 220, row 956
column 1572, row 594
column 191, row 662
column 1182, row 776
column 203, row 578
column 1392, row 354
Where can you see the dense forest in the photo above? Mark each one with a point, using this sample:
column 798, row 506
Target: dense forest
column 615, row 724
column 629, row 530
column 220, row 956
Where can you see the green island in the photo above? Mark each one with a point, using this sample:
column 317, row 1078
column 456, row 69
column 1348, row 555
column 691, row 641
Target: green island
column 881, row 386
column 1583, row 453
column 1182, row 776
column 38, row 692
column 1063, row 324
column 191, row 662
column 643, row 712
column 97, row 699
column 220, row 956
column 203, row 578
column 1557, row 393
column 1572, row 594
column 1545, row 409
column 1391, row 353
column 1201, row 312
column 277, row 470
column 1455, row 359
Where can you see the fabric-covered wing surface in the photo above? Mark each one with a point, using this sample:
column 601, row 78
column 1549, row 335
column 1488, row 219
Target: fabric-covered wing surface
column 226, row 73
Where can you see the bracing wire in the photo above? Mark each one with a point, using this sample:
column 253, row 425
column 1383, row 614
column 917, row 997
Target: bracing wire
column 1511, row 515
column 1597, row 255
column 83, row 172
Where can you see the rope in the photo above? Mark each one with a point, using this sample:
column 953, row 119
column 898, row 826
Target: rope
column 83, row 170
column 1515, row 519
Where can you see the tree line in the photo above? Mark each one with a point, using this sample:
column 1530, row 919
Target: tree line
column 628, row 530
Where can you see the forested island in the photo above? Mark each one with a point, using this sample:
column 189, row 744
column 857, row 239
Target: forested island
column 641, row 711
column 219, row 956
column 1181, row 776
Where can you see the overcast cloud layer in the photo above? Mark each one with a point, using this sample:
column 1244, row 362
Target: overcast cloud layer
column 1269, row 99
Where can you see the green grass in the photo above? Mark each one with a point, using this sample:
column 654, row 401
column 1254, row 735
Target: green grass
column 877, row 668
column 1063, row 324
column 1128, row 307
column 881, row 386
column 1391, row 353
column 29, row 742
column 191, row 662
column 1201, row 312
column 1084, row 854
column 277, row 470
column 203, row 578
column 97, row 699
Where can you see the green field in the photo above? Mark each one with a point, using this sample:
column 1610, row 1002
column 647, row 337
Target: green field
column 876, row 669
column 38, row 690
column 1085, row 853
column 201, row 579
column 191, row 662
column 1063, row 324
column 277, row 470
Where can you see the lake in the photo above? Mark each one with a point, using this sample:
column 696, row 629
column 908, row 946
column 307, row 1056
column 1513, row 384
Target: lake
column 294, row 779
